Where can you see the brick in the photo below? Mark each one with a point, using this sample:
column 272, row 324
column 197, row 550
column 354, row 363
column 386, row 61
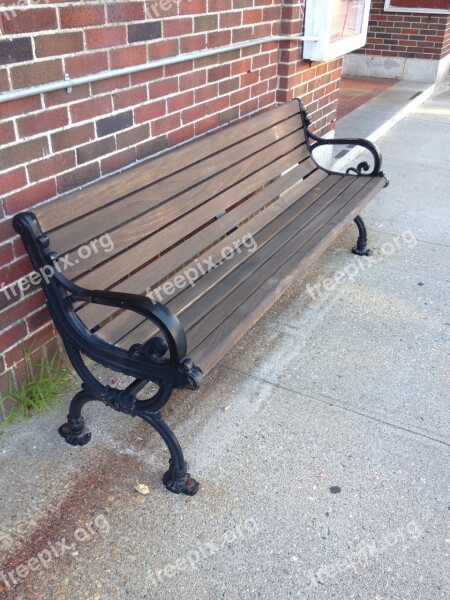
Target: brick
column 242, row 35
column 151, row 147
column 118, row 161
column 192, row 80
column 110, row 85
column 180, row 101
column 218, row 105
column 194, row 7
column 119, row 12
column 132, row 137
column 130, row 97
column 178, row 27
column 161, row 9
column 51, row 166
column 143, row 77
column 82, row 16
column 181, row 135
column 163, row 87
column 233, row 19
column 58, row 43
column 23, row 152
column 220, row 72
column 219, row 38
column 229, row 85
column 150, row 111
column 162, row 126
column 13, row 180
column 43, row 121
column 37, row 73
column 22, row 309
column 114, row 123
column 206, row 93
column 95, row 150
column 125, row 57
column 74, row 136
column 193, row 43
column 193, row 114
column 12, row 336
column 4, row 81
column 33, row 194
column 84, row 64
column 6, row 253
column 206, row 23
column 106, row 37
column 82, row 111
column 32, row 19
column 15, row 50
column 80, row 176
column 252, row 16
column 220, row 5
column 207, row 124
column 141, row 32
column 177, row 69
column 163, row 49
column 7, row 134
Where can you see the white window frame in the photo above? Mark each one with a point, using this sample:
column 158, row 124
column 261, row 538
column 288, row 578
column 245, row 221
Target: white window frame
column 318, row 23
column 406, row 9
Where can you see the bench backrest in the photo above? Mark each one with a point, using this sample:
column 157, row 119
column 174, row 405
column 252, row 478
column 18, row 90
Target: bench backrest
column 164, row 212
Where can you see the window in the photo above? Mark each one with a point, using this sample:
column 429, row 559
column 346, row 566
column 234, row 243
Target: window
column 340, row 25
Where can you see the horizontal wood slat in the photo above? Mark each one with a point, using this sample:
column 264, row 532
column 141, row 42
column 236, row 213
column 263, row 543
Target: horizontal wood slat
column 75, row 205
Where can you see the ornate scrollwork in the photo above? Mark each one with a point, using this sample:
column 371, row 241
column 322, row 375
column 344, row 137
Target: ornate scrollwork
column 362, row 167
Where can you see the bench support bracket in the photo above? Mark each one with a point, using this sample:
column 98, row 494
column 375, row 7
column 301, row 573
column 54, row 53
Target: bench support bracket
column 361, row 245
column 176, row 479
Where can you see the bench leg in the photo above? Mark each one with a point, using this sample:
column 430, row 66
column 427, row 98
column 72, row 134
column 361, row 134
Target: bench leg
column 361, row 245
column 74, row 431
column 176, row 479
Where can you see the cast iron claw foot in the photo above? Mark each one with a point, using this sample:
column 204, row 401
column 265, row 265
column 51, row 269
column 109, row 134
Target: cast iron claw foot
column 74, row 432
column 362, row 251
column 184, row 484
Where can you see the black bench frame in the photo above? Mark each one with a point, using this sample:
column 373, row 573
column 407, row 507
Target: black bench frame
column 146, row 362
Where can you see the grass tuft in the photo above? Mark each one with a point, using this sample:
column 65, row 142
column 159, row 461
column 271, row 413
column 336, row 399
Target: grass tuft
column 39, row 391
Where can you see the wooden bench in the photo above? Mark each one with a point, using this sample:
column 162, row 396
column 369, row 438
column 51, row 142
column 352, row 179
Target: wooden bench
column 224, row 224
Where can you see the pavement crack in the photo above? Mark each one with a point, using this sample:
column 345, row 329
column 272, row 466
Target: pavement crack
column 330, row 401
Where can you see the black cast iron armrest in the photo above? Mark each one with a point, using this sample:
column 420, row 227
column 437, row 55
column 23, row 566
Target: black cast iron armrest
column 164, row 318
column 362, row 168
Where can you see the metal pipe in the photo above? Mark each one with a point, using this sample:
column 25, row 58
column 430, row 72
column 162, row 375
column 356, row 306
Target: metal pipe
column 69, row 83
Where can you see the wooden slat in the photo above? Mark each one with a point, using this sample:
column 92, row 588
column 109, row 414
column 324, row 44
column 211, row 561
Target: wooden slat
column 144, row 211
column 231, row 329
column 121, row 265
column 73, row 206
column 183, row 299
column 193, row 247
column 277, row 233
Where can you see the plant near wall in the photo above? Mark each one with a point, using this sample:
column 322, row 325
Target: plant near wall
column 39, row 391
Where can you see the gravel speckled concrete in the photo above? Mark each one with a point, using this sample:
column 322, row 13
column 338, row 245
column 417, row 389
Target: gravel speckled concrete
column 321, row 441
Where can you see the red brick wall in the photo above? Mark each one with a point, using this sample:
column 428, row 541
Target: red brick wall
column 406, row 34
column 53, row 143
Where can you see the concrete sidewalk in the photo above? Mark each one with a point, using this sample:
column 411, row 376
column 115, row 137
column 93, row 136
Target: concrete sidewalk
column 321, row 441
